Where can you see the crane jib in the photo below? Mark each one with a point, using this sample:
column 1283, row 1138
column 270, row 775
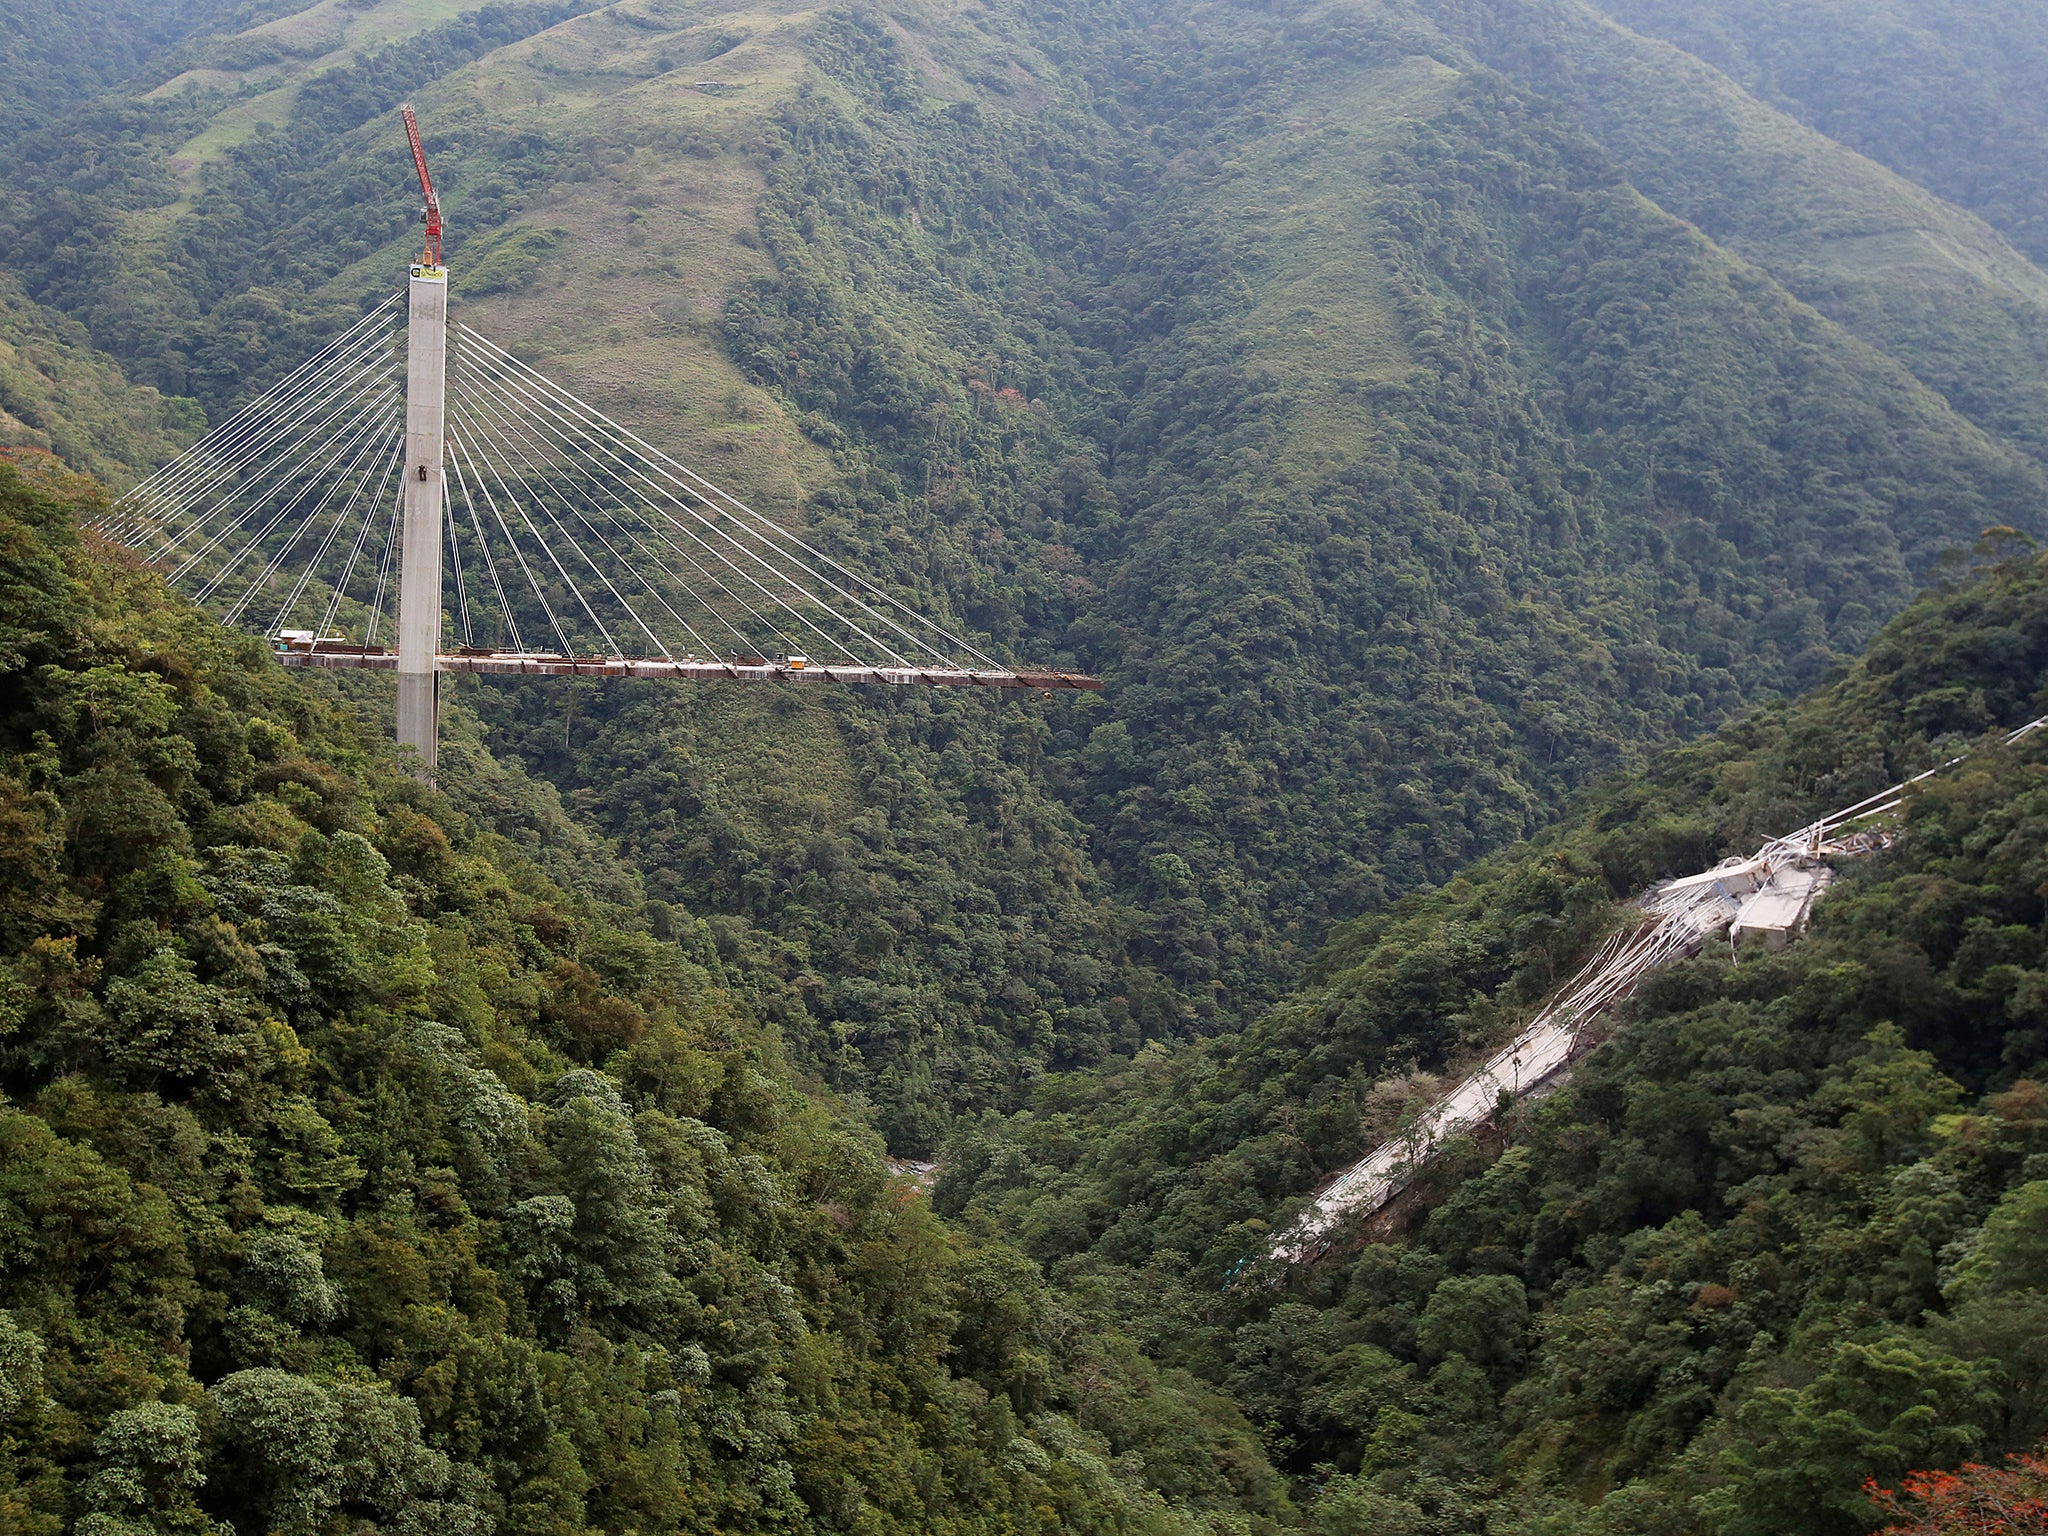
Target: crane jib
column 432, row 212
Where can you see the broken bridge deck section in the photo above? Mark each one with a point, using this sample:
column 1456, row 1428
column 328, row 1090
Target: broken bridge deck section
column 1763, row 900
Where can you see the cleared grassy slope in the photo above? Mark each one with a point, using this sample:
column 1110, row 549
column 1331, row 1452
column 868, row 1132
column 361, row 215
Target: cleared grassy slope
column 1323, row 321
column 252, row 75
column 617, row 279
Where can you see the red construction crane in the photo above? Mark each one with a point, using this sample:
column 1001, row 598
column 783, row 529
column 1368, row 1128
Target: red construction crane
column 433, row 209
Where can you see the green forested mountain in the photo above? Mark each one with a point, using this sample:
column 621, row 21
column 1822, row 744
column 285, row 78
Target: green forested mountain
column 1393, row 421
column 377, row 1154
column 367, row 1163
column 1896, row 266
column 55, row 54
column 1453, row 428
column 1946, row 92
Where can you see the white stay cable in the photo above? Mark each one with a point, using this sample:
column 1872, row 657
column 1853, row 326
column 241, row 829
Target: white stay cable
column 707, row 515
column 293, row 482
column 546, row 443
column 358, row 443
column 385, row 560
column 235, row 427
column 299, row 478
column 523, row 497
column 571, row 441
column 459, row 439
column 205, row 468
column 484, row 548
column 543, row 446
column 455, row 558
column 754, row 523
column 761, row 618
column 339, row 592
column 369, row 440
column 347, row 516
column 757, row 525
column 173, row 516
column 377, row 392
column 651, row 590
column 481, row 409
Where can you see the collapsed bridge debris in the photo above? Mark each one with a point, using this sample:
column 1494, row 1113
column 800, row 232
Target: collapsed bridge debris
column 1764, row 900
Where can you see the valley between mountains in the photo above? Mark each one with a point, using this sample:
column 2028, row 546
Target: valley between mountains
column 1498, row 454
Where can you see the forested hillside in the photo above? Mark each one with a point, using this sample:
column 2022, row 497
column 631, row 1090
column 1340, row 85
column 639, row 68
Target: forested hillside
column 1498, row 453
column 368, row 1163
column 1946, row 92
column 1407, row 441
column 1783, row 1233
column 61, row 394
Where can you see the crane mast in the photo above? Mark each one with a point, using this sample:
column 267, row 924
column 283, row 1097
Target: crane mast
column 432, row 212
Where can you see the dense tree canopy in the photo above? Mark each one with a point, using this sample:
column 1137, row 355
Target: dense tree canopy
column 1780, row 1235
column 367, row 1162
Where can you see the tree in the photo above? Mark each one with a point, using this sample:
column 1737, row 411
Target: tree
column 2011, row 1253
column 149, row 1473
column 1484, row 1318
column 1882, row 1404
column 1973, row 1500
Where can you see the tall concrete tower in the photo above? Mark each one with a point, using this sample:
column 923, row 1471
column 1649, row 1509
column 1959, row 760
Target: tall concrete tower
column 425, row 503
column 426, row 487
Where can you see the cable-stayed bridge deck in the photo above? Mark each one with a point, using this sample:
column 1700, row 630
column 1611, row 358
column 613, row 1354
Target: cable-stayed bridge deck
column 415, row 482
column 533, row 537
column 691, row 669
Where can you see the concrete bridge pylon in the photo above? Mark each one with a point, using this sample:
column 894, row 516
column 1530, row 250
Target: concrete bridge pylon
column 425, row 511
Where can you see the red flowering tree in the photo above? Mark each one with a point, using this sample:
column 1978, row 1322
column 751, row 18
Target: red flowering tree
column 1974, row 1500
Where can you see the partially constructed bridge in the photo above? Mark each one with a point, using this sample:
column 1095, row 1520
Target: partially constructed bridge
column 415, row 499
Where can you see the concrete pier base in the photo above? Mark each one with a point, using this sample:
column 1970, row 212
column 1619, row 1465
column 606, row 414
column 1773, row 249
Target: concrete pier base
column 419, row 716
